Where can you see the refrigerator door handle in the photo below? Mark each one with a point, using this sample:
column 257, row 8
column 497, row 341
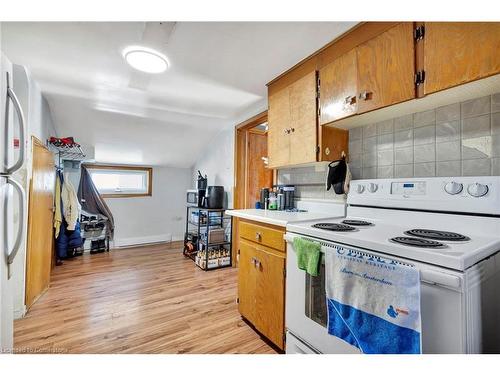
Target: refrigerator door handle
column 11, row 255
column 11, row 96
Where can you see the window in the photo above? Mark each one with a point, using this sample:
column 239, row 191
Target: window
column 122, row 181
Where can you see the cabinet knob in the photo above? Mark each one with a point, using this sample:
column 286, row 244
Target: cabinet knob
column 365, row 95
column 258, row 236
column 288, row 130
column 257, row 263
column 292, row 129
column 350, row 100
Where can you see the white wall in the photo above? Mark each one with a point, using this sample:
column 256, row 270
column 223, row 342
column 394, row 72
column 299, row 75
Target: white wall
column 159, row 218
column 217, row 162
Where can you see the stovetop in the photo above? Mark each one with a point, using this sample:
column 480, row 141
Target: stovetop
column 445, row 240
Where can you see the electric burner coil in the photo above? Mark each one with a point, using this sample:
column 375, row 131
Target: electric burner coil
column 437, row 235
column 335, row 227
column 417, row 242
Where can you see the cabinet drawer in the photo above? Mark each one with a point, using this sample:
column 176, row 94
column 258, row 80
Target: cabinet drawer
column 263, row 235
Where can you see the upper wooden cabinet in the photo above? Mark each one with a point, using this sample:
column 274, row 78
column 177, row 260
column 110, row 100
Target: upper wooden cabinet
column 459, row 52
column 386, row 69
column 376, row 65
column 375, row 74
column 279, row 119
column 303, row 115
column 339, row 88
column 292, row 123
column 294, row 136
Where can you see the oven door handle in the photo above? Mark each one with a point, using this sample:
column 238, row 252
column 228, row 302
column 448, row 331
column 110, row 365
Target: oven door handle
column 440, row 278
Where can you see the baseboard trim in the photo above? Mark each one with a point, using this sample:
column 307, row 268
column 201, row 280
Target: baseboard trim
column 20, row 313
column 137, row 241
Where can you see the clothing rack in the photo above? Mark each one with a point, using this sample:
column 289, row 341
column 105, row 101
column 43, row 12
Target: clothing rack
column 74, row 153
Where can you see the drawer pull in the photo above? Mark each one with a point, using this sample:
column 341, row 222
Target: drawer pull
column 365, row 95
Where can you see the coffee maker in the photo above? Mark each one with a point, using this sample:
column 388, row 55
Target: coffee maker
column 288, row 192
column 201, row 185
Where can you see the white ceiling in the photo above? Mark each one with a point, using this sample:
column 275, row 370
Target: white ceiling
column 217, row 76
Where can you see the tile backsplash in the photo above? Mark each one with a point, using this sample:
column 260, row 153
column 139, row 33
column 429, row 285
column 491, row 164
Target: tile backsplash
column 460, row 139
column 454, row 140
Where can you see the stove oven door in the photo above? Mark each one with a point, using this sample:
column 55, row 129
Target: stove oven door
column 305, row 314
column 442, row 306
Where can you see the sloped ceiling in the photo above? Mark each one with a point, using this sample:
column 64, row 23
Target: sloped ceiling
column 217, row 75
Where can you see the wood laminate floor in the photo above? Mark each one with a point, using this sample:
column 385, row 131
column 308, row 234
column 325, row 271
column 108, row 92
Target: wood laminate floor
column 141, row 300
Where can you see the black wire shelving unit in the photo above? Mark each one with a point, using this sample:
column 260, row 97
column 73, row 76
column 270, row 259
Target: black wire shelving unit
column 199, row 243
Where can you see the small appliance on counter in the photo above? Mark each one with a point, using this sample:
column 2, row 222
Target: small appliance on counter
column 192, row 198
column 288, row 192
column 214, row 197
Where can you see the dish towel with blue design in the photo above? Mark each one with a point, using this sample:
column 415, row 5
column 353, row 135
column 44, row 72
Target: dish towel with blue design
column 373, row 302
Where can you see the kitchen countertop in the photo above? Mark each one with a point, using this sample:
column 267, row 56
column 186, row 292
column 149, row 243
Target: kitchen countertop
column 279, row 218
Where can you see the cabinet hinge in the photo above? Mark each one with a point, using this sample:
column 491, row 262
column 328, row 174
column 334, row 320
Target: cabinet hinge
column 419, row 33
column 284, row 338
column 284, row 272
column 420, row 77
column 318, row 149
column 238, row 300
column 318, row 89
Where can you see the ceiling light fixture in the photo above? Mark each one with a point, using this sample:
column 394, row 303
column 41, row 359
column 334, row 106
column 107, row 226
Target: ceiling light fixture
column 145, row 59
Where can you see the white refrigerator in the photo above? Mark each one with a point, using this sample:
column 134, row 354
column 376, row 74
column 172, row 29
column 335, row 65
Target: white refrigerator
column 12, row 196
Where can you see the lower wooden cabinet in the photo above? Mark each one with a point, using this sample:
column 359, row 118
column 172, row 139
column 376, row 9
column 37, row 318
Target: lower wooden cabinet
column 261, row 288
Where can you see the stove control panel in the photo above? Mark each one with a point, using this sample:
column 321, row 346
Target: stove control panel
column 408, row 188
column 471, row 194
column 477, row 190
column 453, row 187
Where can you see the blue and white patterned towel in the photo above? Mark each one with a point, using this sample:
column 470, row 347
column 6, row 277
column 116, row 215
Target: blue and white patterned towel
column 373, row 302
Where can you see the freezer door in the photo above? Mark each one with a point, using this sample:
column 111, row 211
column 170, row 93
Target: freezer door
column 13, row 129
column 6, row 302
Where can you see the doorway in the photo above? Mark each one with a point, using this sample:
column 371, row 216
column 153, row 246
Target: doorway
column 251, row 173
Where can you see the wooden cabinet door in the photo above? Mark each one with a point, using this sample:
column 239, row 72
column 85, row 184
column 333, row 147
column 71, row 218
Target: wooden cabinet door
column 278, row 141
column 270, row 318
column 459, row 52
column 303, row 113
column 386, row 68
column 338, row 88
column 247, row 282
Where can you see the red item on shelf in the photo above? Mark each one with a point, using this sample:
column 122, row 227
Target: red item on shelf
column 60, row 142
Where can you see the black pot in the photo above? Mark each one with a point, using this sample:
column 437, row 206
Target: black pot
column 214, row 197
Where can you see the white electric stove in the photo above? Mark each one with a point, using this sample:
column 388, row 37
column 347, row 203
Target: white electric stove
column 449, row 228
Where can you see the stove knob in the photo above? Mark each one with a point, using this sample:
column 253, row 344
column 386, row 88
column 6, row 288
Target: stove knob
column 360, row 189
column 372, row 188
column 477, row 190
column 453, row 188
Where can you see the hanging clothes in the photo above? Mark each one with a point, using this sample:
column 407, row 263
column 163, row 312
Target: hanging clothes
column 71, row 206
column 68, row 239
column 92, row 202
column 58, row 205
